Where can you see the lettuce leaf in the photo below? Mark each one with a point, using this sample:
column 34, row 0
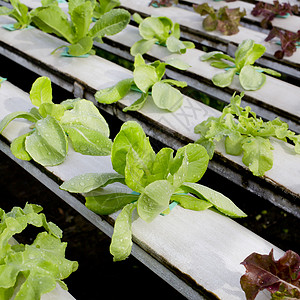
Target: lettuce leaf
column 248, row 135
column 197, row 160
column 41, row 265
column 114, row 93
column 78, row 31
column 258, row 155
column 251, row 77
column 145, row 76
column 288, row 41
column 132, row 138
column 166, row 97
column 47, row 142
column 154, row 199
column 121, row 242
column 281, row 277
column 81, row 17
column 104, row 6
column 17, row 147
column 160, row 30
column 110, row 23
column 85, row 183
column 156, row 180
column 226, row 20
column 19, row 13
column 87, row 129
column 52, row 19
column 147, row 79
column 15, row 115
column 219, row 201
column 269, row 11
column 106, row 204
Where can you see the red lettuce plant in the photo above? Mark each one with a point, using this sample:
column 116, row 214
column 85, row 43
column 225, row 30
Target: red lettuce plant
column 288, row 41
column 159, row 3
column 226, row 20
column 281, row 277
column 270, row 11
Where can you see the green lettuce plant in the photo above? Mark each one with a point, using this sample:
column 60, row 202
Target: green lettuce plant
column 251, row 77
column 47, row 141
column 147, row 78
column 247, row 135
column 19, row 13
column 31, row 270
column 79, row 31
column 159, row 30
column 156, row 179
column 104, row 6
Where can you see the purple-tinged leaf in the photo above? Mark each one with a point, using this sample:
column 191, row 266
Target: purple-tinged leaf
column 164, row 3
column 288, row 41
column 281, row 277
column 270, row 11
column 229, row 20
column 204, row 9
column 226, row 20
column 210, row 23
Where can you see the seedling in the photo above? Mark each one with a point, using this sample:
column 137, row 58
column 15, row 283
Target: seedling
column 147, row 78
column 226, row 20
column 251, row 77
column 248, row 135
column 78, row 31
column 19, row 13
column 52, row 125
column 156, row 179
column 161, row 31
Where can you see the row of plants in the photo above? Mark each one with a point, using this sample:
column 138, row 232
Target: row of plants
column 153, row 30
column 148, row 80
column 133, row 158
column 227, row 21
column 79, row 30
column 164, row 95
column 80, row 122
column 54, row 119
column 31, row 270
column 157, row 181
